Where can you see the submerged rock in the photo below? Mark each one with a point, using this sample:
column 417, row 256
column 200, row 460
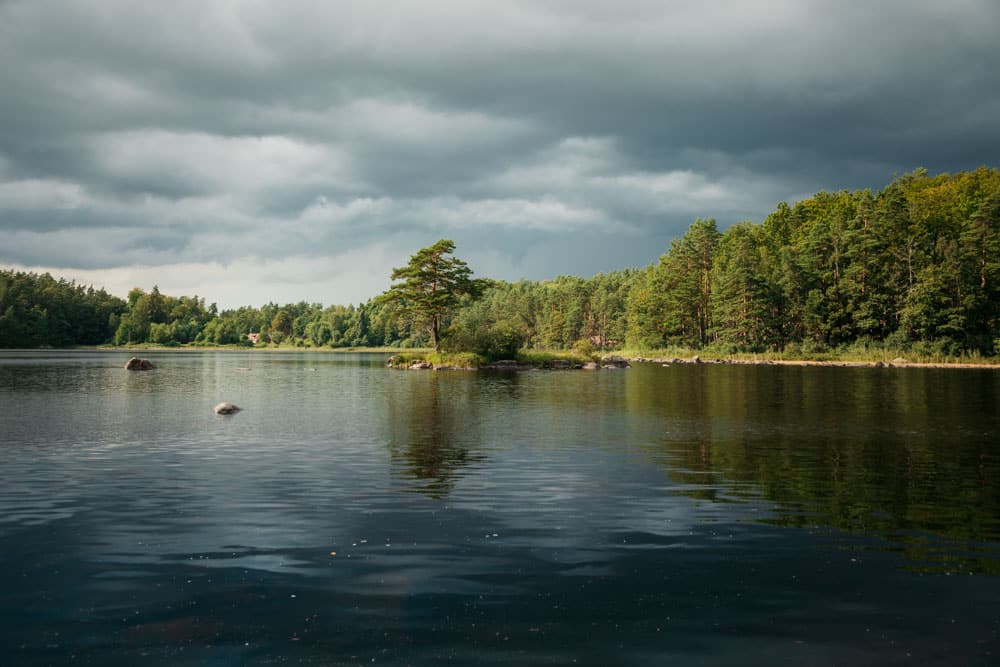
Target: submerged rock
column 137, row 364
column 227, row 409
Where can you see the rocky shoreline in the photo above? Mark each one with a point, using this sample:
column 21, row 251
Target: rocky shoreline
column 617, row 362
column 898, row 362
column 609, row 363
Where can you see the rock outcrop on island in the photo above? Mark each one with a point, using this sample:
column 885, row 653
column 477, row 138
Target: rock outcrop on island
column 227, row 409
column 553, row 363
column 614, row 362
column 137, row 364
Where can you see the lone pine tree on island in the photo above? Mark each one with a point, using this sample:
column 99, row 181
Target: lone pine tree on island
column 432, row 284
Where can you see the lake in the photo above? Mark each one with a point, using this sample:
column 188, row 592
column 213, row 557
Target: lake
column 351, row 514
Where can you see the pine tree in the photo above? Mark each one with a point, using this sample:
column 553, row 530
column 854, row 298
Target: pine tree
column 433, row 284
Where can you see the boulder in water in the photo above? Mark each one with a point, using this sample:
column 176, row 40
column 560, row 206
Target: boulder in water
column 137, row 364
column 226, row 409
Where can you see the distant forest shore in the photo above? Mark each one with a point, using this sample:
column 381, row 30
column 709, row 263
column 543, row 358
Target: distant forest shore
column 910, row 271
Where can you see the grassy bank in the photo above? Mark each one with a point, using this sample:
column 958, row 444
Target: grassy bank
column 466, row 360
column 546, row 358
column 469, row 360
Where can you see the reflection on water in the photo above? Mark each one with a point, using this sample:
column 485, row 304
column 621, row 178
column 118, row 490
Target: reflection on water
column 694, row 514
column 432, row 421
column 870, row 450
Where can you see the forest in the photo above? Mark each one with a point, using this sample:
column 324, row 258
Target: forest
column 915, row 266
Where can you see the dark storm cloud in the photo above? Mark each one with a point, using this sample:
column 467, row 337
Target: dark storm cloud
column 544, row 137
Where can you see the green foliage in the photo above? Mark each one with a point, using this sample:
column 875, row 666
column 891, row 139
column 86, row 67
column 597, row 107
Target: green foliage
column 551, row 358
column 457, row 359
column 37, row 309
column 498, row 340
column 686, row 274
column 431, row 286
column 585, row 348
column 461, row 360
column 282, row 324
column 914, row 267
column 552, row 314
column 220, row 331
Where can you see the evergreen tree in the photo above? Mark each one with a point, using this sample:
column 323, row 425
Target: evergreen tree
column 432, row 285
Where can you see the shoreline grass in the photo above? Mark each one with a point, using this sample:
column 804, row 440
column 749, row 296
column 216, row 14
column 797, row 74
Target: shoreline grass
column 461, row 360
column 545, row 358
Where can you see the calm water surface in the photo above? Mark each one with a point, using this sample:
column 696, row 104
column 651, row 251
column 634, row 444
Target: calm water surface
column 688, row 515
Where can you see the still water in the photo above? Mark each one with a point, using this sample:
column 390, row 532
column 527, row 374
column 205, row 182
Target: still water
column 350, row 514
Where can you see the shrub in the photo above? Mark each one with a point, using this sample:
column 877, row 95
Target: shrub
column 584, row 347
column 499, row 340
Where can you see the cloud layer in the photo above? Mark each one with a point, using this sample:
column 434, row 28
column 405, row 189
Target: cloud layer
column 259, row 151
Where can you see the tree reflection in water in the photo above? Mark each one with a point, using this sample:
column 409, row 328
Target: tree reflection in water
column 864, row 450
column 432, row 429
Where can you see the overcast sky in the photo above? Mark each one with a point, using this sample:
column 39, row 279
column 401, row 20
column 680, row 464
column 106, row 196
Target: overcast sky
column 281, row 151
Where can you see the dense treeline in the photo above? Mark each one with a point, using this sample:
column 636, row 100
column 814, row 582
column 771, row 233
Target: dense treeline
column 38, row 310
column 915, row 266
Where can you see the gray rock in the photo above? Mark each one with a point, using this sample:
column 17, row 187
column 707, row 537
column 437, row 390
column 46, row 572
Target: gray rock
column 227, row 409
column 614, row 362
column 137, row 364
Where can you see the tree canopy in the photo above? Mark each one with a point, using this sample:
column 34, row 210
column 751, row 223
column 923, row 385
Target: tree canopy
column 431, row 286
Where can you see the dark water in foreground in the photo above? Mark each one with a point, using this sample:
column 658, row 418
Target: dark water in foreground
column 691, row 515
